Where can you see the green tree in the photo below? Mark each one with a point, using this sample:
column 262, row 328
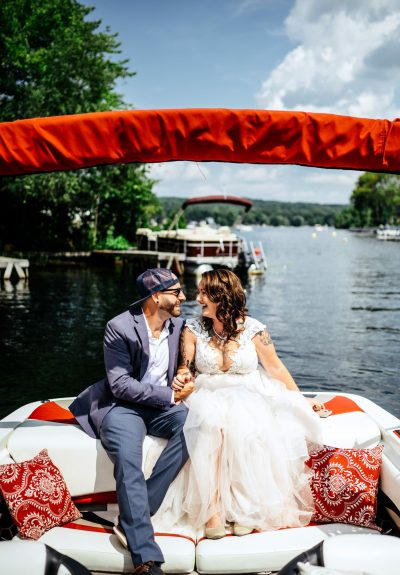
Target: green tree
column 279, row 220
column 54, row 60
column 376, row 199
column 347, row 218
column 297, row 220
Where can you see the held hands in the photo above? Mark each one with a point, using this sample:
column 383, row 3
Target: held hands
column 182, row 386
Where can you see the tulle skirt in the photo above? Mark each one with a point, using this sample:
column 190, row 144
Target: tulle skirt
column 248, row 439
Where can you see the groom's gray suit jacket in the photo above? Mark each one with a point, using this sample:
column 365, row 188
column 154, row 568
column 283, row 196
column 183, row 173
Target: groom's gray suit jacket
column 126, row 357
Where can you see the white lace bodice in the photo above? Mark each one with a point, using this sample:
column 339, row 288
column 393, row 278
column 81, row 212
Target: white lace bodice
column 243, row 358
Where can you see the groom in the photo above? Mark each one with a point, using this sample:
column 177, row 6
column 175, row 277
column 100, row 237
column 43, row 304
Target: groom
column 141, row 354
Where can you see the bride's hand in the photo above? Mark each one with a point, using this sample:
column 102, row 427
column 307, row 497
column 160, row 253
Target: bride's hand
column 186, row 390
column 315, row 405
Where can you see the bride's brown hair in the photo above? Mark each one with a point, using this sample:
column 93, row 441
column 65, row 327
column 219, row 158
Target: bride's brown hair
column 223, row 287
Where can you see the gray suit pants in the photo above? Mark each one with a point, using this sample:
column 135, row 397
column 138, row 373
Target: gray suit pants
column 122, row 434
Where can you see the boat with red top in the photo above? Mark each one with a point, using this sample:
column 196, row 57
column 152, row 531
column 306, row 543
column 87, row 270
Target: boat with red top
column 202, row 244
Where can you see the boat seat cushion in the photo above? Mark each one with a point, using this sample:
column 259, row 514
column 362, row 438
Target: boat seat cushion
column 265, row 551
column 82, row 460
column 87, row 468
column 344, row 484
column 36, row 495
column 92, row 542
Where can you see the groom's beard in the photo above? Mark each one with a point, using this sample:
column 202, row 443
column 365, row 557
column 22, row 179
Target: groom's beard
column 174, row 309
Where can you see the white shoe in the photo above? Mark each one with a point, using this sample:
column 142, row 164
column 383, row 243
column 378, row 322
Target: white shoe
column 215, row 532
column 241, row 530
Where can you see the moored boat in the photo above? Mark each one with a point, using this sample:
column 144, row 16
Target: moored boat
column 203, row 244
column 388, row 234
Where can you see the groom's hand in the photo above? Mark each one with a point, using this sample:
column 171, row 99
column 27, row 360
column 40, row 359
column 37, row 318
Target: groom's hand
column 182, row 385
column 180, row 380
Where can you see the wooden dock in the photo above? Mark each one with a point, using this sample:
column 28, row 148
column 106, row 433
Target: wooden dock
column 141, row 258
column 19, row 265
column 169, row 260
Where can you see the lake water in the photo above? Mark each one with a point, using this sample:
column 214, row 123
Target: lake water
column 330, row 299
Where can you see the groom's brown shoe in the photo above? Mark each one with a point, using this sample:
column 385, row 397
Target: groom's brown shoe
column 148, row 568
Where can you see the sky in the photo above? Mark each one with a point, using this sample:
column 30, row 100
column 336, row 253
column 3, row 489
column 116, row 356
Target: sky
column 336, row 56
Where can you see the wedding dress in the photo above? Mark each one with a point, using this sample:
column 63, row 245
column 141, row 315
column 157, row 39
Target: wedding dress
column 247, row 437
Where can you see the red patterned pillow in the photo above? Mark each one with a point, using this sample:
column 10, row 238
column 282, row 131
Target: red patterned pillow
column 345, row 484
column 36, row 495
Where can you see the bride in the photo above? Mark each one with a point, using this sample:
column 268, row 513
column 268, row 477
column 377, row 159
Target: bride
column 249, row 427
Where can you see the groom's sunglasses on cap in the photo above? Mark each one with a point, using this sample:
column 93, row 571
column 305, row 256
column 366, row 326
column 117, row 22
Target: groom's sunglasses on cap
column 176, row 292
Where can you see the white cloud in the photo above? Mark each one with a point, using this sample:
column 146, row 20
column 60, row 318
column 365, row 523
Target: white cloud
column 247, row 174
column 178, row 171
column 342, row 58
column 345, row 60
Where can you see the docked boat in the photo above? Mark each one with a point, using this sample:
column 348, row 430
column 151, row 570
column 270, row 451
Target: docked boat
column 388, row 234
column 203, row 244
column 356, row 425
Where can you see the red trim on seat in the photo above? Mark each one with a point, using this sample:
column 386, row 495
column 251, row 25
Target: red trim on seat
column 51, row 411
column 158, row 534
column 257, row 531
column 340, row 404
column 102, row 529
column 104, row 497
column 227, row 535
column 80, row 527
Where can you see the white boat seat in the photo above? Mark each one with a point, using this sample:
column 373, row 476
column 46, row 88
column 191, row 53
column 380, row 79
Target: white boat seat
column 18, row 557
column 98, row 549
column 87, row 469
column 266, row 551
column 95, row 546
column 82, row 460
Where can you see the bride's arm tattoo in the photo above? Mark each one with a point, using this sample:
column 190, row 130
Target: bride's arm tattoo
column 265, row 338
column 185, row 360
column 191, row 367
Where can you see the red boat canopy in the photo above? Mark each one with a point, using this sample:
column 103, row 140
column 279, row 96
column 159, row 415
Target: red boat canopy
column 222, row 135
column 213, row 199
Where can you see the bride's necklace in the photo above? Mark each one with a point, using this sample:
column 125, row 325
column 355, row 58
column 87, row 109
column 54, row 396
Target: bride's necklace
column 222, row 338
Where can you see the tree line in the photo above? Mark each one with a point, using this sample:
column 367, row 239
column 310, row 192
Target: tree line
column 374, row 202
column 263, row 212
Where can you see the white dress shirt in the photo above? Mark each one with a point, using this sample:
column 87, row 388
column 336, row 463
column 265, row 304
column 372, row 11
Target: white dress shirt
column 157, row 370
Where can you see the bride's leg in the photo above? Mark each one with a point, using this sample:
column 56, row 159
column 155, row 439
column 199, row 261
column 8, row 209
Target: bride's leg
column 215, row 517
column 215, row 524
column 214, row 521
